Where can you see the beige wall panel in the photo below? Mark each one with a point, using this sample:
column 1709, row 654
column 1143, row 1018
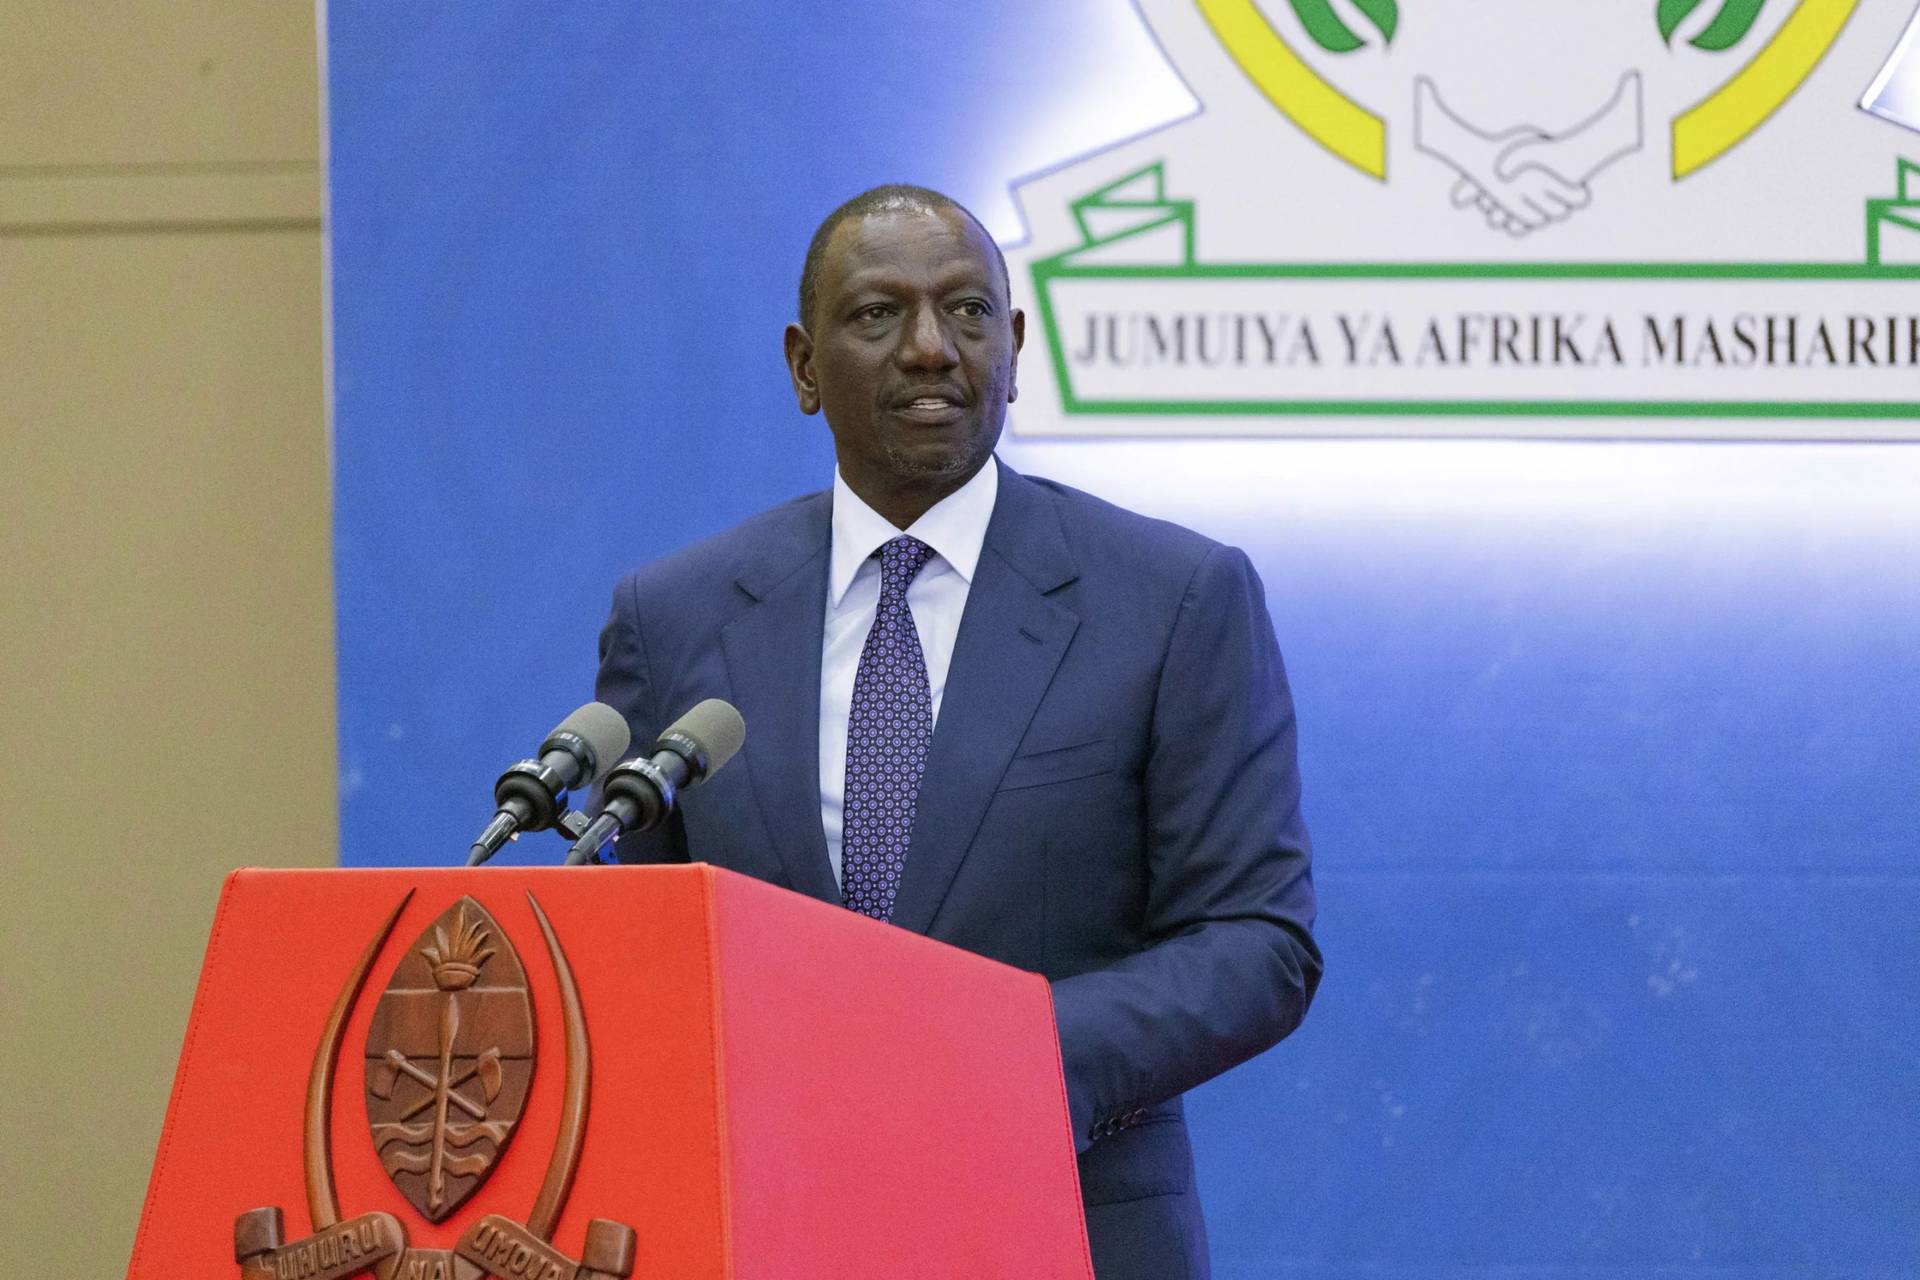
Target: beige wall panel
column 140, row 82
column 68, row 201
column 166, row 633
column 166, row 665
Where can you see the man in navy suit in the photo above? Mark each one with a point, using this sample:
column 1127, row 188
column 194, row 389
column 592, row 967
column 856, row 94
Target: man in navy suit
column 1072, row 745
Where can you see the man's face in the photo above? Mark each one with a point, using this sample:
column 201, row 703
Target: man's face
column 911, row 355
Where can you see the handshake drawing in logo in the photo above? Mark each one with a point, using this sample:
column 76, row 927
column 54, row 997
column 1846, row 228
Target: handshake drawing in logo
column 1523, row 178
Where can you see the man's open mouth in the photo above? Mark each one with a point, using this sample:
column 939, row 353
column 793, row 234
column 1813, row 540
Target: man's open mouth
column 931, row 406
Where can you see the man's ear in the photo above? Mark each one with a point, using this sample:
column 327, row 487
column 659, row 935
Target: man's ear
column 800, row 368
column 1013, row 365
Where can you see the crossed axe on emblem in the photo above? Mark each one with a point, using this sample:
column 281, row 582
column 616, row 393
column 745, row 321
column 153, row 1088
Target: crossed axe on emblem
column 396, row 1064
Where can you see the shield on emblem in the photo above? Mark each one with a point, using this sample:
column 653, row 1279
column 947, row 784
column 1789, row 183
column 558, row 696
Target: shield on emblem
column 449, row 1059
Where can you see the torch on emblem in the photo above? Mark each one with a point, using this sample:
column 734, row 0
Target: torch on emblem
column 449, row 1060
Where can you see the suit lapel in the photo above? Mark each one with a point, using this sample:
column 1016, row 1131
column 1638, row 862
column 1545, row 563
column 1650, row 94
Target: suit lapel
column 1011, row 640
column 773, row 661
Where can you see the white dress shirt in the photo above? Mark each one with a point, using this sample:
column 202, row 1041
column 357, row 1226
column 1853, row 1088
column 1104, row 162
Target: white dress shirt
column 956, row 529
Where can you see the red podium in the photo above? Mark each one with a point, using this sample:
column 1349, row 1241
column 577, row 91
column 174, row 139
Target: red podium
column 565, row 1074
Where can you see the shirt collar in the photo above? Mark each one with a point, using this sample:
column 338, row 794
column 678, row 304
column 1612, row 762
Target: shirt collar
column 955, row 527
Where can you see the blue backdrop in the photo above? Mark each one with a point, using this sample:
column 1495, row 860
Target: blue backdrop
column 1612, row 752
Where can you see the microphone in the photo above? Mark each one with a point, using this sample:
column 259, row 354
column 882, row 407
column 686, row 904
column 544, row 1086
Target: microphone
column 579, row 750
column 641, row 792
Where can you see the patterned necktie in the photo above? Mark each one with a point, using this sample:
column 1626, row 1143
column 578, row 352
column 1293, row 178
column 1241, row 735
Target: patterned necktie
column 888, row 729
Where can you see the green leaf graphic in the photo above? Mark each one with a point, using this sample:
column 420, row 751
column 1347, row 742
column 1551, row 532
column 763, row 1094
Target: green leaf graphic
column 1334, row 35
column 1671, row 13
column 1733, row 21
column 1324, row 25
column 1384, row 14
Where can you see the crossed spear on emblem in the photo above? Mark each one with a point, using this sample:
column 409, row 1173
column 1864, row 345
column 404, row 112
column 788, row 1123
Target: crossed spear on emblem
column 397, row 1065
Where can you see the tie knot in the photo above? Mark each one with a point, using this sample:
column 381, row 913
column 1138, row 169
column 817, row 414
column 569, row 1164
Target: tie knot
column 902, row 558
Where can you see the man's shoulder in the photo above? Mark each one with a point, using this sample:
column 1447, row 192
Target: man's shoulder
column 786, row 535
column 1105, row 532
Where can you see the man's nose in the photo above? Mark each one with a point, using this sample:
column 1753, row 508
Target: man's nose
column 924, row 343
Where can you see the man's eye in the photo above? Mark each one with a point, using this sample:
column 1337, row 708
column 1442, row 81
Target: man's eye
column 878, row 311
column 974, row 308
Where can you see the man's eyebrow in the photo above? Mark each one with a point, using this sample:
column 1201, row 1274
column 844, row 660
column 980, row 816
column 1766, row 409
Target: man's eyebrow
column 885, row 280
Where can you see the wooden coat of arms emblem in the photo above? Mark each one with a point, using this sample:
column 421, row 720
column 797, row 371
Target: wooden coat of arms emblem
column 450, row 1059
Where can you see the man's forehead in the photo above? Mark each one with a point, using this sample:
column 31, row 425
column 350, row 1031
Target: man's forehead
column 889, row 242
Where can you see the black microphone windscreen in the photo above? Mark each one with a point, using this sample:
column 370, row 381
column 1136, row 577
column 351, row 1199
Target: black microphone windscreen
column 603, row 729
column 717, row 727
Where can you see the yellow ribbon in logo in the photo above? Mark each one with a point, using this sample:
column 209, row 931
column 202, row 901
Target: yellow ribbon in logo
column 1328, row 116
column 1717, row 123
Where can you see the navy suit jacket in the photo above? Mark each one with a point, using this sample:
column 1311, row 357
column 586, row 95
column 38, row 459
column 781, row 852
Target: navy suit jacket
column 1110, row 799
